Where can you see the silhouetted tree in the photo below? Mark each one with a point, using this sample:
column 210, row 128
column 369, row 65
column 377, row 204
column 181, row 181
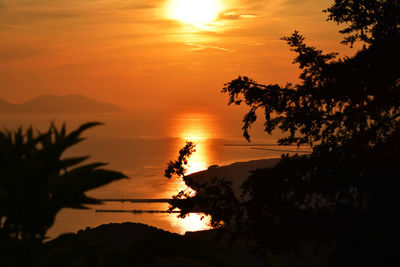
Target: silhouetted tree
column 178, row 167
column 207, row 197
column 36, row 182
column 344, row 194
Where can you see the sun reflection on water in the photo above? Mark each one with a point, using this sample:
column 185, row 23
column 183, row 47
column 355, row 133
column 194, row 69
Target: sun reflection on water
column 198, row 161
column 194, row 222
column 195, row 127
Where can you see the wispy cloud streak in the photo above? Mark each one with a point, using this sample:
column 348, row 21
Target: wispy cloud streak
column 25, row 28
column 203, row 47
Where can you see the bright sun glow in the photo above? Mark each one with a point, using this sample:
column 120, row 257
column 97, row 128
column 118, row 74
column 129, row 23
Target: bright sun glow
column 195, row 222
column 194, row 12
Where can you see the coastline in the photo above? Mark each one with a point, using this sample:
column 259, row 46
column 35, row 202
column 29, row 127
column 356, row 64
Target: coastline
column 236, row 172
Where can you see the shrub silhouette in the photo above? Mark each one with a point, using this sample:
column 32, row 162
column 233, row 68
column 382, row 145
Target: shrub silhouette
column 36, row 181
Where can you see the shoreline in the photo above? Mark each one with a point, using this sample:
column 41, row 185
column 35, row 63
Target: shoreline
column 236, row 172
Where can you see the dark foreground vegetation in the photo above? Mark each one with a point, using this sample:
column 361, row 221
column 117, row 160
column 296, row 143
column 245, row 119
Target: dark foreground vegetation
column 36, row 182
column 131, row 244
column 341, row 200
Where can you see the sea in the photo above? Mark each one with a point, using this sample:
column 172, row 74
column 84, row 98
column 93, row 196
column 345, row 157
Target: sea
column 140, row 144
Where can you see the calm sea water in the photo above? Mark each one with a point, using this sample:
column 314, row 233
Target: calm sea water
column 140, row 145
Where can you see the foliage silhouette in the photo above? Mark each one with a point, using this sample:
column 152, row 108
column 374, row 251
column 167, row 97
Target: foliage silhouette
column 342, row 196
column 212, row 194
column 178, row 166
column 36, row 181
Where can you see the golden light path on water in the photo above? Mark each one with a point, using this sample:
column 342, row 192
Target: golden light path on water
column 196, row 129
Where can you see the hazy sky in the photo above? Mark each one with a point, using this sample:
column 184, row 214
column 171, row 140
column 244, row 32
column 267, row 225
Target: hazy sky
column 135, row 53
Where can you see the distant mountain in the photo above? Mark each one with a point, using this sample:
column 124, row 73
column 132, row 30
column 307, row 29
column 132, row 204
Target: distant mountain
column 5, row 106
column 59, row 104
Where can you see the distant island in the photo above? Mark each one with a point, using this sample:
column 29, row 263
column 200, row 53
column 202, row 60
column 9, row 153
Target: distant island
column 59, row 104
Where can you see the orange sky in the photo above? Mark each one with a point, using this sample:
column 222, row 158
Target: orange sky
column 133, row 54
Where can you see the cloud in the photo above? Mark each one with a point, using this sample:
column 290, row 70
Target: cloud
column 116, row 4
column 31, row 3
column 138, row 6
column 198, row 47
column 304, row 8
column 25, row 28
column 52, row 15
column 19, row 53
column 73, row 67
column 295, row 2
column 235, row 15
column 163, row 23
column 255, row 5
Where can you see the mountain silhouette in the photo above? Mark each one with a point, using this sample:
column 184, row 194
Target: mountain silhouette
column 59, row 104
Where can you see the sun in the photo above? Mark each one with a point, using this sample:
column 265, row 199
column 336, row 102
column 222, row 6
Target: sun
column 194, row 12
